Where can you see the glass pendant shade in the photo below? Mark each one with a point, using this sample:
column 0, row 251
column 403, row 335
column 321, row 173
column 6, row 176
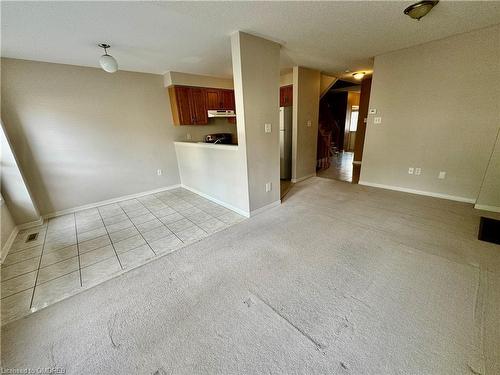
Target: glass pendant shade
column 108, row 63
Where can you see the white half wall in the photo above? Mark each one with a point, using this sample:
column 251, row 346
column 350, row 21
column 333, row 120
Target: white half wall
column 217, row 172
column 439, row 105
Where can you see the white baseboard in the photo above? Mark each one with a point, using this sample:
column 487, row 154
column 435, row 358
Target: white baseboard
column 109, row 201
column 265, row 208
column 419, row 192
column 295, row 180
column 215, row 200
column 487, row 208
column 6, row 247
column 31, row 224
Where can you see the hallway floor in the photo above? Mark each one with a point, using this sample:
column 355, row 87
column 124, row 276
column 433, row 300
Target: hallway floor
column 340, row 168
column 77, row 251
column 339, row 279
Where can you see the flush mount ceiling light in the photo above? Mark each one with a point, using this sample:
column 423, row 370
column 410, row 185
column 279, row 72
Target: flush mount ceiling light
column 359, row 75
column 108, row 62
column 420, row 9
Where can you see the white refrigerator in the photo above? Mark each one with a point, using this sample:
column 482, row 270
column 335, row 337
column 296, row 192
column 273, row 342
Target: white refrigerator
column 285, row 143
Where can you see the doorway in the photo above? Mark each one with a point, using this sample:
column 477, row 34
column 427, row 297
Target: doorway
column 338, row 119
column 341, row 130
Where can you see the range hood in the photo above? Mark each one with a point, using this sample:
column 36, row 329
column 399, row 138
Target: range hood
column 221, row 113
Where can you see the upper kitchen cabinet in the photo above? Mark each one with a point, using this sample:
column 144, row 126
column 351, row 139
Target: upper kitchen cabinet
column 286, row 96
column 189, row 105
column 220, row 99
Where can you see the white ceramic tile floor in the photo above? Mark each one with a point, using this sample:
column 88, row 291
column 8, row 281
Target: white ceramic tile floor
column 74, row 252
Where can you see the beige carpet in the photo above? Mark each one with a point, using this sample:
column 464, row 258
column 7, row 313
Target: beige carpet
column 341, row 279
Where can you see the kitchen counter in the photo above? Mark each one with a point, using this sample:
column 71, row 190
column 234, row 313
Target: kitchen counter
column 208, row 145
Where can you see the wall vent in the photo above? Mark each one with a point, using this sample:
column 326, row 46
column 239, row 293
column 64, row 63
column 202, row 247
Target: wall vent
column 32, row 237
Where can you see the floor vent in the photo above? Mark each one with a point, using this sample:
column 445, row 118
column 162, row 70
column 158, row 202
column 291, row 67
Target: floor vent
column 32, row 237
column 489, row 230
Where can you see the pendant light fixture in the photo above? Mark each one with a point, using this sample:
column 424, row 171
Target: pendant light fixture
column 359, row 75
column 420, row 9
column 108, row 62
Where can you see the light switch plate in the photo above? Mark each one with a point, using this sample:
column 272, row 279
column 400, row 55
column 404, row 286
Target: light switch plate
column 377, row 120
column 269, row 186
column 411, row 170
column 418, row 171
column 372, row 111
column 442, row 175
column 267, row 128
column 309, row 123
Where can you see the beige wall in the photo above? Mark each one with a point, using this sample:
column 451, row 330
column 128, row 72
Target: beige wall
column 326, row 82
column 187, row 79
column 7, row 227
column 14, row 188
column 306, row 90
column 286, row 79
column 256, row 82
column 440, row 109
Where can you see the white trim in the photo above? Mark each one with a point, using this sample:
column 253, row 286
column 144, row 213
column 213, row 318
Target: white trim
column 31, row 224
column 487, row 208
column 109, row 201
column 265, row 208
column 8, row 243
column 295, row 180
column 419, row 192
column 215, row 200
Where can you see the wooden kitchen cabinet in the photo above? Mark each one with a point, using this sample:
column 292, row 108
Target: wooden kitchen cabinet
column 286, row 96
column 214, row 100
column 220, row 99
column 189, row 105
column 228, row 100
column 199, row 106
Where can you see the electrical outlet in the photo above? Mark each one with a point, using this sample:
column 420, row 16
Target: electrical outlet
column 377, row 120
column 267, row 128
column 418, row 171
column 411, row 170
column 269, row 187
column 159, row 172
column 442, row 175
column 188, row 136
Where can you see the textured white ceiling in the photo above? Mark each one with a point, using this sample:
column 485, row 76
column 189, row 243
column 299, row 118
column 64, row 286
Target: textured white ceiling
column 194, row 37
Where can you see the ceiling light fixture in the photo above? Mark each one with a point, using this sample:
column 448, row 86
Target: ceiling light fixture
column 359, row 75
column 108, row 62
column 420, row 9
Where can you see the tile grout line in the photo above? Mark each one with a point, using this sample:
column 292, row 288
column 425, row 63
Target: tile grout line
column 151, row 212
column 154, row 252
column 78, row 251
column 106, row 229
column 39, row 263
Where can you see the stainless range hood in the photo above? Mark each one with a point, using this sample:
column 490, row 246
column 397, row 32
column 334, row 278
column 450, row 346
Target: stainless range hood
column 221, row 113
